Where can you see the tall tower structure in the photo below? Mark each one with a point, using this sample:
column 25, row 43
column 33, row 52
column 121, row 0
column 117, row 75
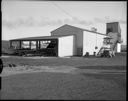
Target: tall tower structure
column 114, row 31
column 114, row 27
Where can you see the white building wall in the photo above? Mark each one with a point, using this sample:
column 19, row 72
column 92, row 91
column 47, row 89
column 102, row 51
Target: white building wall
column 118, row 47
column 65, row 46
column 90, row 41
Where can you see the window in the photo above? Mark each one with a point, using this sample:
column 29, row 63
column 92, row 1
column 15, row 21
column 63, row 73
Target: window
column 48, row 44
column 33, row 44
column 109, row 30
column 44, row 44
column 15, row 44
column 25, row 44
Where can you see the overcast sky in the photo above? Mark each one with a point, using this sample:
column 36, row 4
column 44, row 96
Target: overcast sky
column 39, row 18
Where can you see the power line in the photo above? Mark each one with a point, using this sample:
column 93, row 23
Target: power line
column 62, row 10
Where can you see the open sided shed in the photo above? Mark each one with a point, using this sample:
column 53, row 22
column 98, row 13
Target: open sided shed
column 46, row 45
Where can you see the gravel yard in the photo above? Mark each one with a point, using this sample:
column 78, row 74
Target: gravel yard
column 64, row 86
column 72, row 78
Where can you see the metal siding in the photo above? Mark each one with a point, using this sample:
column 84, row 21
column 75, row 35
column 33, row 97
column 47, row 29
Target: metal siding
column 67, row 30
column 90, row 41
column 118, row 47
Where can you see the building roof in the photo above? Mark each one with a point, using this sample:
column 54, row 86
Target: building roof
column 57, row 36
column 80, row 29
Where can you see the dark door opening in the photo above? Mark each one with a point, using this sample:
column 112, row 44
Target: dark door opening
column 49, row 47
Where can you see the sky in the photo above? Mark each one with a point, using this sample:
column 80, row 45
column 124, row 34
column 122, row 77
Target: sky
column 22, row 18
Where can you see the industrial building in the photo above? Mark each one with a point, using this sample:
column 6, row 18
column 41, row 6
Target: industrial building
column 69, row 40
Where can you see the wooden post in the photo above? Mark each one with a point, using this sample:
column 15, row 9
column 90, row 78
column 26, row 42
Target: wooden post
column 30, row 44
column 10, row 44
column 20, row 44
column 57, row 47
column 39, row 44
column 36, row 45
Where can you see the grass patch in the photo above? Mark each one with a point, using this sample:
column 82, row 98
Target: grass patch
column 80, row 62
column 62, row 86
column 119, row 79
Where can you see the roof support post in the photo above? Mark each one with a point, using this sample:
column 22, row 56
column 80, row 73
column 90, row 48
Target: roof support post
column 39, row 44
column 30, row 44
column 20, row 44
column 10, row 44
column 36, row 45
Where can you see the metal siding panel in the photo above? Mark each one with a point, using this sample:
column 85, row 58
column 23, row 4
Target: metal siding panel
column 67, row 30
column 90, row 40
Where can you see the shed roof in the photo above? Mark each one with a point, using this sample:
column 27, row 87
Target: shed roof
column 39, row 38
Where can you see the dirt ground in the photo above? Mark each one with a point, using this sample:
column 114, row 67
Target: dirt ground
column 64, row 78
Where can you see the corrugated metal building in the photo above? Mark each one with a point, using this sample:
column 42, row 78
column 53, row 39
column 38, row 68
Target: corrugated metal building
column 66, row 40
column 84, row 40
